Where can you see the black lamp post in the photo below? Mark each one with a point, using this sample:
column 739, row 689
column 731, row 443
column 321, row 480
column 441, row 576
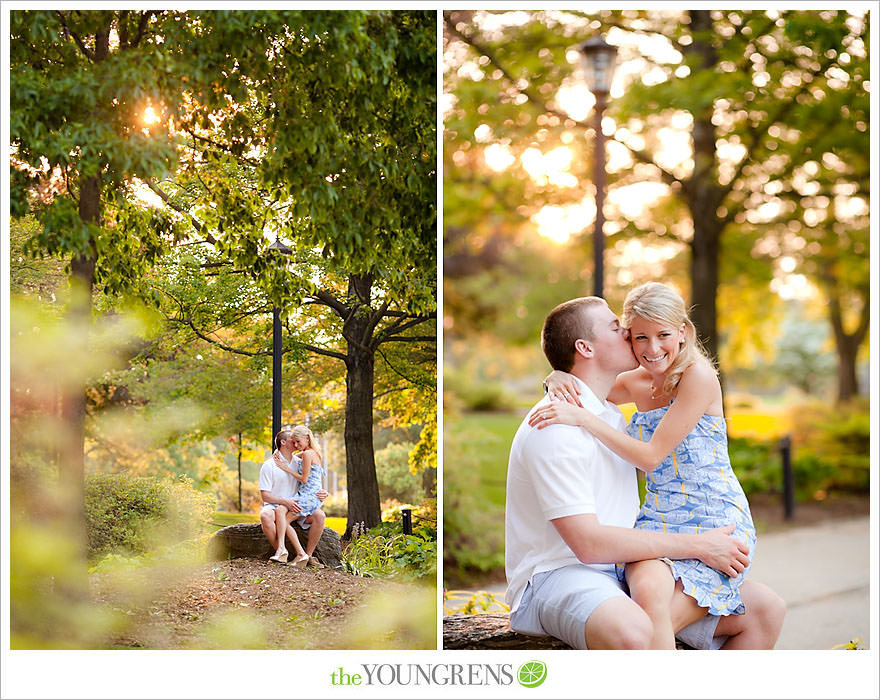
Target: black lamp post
column 598, row 58
column 276, row 352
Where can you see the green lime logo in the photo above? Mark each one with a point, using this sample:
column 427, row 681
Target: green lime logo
column 531, row 674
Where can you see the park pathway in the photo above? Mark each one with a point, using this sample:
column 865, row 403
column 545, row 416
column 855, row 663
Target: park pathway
column 822, row 573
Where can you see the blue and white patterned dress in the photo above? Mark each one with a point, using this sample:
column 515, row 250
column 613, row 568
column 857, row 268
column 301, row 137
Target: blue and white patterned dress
column 695, row 489
column 306, row 495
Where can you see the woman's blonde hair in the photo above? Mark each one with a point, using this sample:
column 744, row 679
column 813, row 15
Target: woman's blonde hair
column 658, row 303
column 302, row 431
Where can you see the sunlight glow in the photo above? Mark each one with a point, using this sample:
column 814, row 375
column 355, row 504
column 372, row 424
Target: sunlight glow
column 792, row 287
column 150, row 116
column 632, row 200
column 559, row 223
column 498, row 157
column 551, row 167
column 575, row 100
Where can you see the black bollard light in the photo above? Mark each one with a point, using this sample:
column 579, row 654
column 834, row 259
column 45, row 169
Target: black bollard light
column 406, row 514
column 787, row 476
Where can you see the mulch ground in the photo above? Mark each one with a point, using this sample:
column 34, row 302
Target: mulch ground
column 254, row 604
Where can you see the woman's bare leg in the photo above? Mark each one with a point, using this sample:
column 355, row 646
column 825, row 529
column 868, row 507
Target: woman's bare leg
column 683, row 609
column 280, row 524
column 651, row 586
column 317, row 519
column 294, row 539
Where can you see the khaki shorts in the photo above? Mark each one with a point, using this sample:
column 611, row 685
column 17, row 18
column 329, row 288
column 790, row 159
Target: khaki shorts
column 558, row 604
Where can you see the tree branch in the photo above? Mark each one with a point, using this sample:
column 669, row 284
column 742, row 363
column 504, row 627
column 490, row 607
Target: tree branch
column 219, row 146
column 326, row 298
column 79, row 42
column 222, row 346
column 322, row 351
column 197, row 225
column 400, row 374
column 410, row 338
column 536, row 100
column 399, row 326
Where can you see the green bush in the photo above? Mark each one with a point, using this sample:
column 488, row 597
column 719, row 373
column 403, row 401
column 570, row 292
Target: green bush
column 133, row 515
column 396, row 482
column 829, row 451
column 473, row 535
column 832, row 444
column 385, row 552
column 475, row 394
column 756, row 463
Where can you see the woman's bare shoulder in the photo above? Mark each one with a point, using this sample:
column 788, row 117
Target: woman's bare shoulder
column 634, row 377
column 701, row 377
column 701, row 370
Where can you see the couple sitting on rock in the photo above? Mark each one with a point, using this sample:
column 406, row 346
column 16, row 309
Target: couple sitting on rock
column 290, row 485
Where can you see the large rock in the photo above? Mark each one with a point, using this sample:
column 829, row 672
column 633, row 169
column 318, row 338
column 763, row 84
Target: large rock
column 248, row 540
column 490, row 631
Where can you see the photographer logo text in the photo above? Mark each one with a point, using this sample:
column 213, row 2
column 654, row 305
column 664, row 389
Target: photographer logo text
column 529, row 675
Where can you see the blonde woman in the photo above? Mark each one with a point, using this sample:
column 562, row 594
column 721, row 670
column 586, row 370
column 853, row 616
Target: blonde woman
column 678, row 437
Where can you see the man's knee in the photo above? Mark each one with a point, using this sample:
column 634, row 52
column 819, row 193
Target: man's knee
column 318, row 516
column 634, row 633
column 619, row 624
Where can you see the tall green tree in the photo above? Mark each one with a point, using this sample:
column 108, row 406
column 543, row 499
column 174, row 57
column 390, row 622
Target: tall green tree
column 324, row 119
column 763, row 97
column 343, row 167
column 80, row 82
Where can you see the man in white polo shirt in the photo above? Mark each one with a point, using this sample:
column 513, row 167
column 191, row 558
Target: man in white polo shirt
column 571, row 506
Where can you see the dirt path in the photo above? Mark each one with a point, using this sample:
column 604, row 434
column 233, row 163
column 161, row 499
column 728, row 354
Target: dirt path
column 255, row 604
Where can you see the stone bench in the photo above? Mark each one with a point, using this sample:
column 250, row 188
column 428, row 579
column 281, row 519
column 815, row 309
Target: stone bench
column 248, row 540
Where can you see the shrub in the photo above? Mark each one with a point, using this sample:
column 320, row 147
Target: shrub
column 133, row 515
column 336, row 506
column 475, row 394
column 473, row 541
column 395, row 479
column 829, row 451
column 832, row 444
column 385, row 552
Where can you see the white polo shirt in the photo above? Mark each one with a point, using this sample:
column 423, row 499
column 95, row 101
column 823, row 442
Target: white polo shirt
column 277, row 481
column 558, row 471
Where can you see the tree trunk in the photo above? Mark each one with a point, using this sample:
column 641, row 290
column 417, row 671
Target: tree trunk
column 360, row 463
column 847, row 350
column 846, row 344
column 702, row 194
column 73, row 404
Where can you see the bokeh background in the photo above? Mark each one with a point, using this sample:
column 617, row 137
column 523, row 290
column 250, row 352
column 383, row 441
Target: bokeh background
column 737, row 162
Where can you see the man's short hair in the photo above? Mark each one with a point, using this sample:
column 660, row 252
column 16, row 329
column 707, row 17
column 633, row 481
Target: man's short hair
column 567, row 323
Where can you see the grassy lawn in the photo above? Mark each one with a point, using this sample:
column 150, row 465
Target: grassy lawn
column 337, row 524
column 220, row 519
column 482, row 442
